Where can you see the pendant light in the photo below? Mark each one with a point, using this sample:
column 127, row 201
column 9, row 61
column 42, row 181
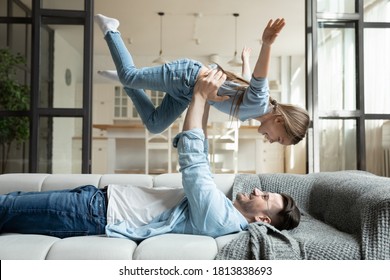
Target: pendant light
column 160, row 59
column 236, row 61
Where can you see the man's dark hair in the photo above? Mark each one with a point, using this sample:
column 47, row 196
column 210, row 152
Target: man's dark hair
column 290, row 216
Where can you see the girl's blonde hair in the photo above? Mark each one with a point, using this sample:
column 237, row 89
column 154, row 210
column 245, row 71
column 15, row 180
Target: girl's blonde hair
column 296, row 119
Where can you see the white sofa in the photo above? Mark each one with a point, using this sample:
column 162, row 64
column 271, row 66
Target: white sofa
column 168, row 246
column 345, row 216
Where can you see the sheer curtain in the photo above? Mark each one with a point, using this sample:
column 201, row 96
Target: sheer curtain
column 377, row 81
column 337, row 90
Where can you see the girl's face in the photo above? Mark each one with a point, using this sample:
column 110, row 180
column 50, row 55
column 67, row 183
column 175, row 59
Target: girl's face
column 274, row 131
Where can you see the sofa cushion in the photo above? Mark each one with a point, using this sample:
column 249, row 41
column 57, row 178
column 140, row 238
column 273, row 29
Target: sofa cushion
column 143, row 180
column 25, row 182
column 176, row 247
column 15, row 246
column 92, row 248
column 172, row 180
column 69, row 181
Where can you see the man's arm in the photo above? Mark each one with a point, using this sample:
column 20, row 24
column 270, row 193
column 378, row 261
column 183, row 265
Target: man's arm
column 210, row 212
column 205, row 119
column 269, row 35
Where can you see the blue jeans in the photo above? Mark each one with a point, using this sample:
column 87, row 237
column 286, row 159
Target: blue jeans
column 63, row 213
column 177, row 79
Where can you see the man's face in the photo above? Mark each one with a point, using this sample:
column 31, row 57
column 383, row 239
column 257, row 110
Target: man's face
column 259, row 206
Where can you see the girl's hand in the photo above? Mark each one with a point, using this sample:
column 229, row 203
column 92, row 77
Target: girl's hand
column 245, row 54
column 272, row 30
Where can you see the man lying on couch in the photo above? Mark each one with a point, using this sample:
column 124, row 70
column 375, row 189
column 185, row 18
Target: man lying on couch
column 137, row 212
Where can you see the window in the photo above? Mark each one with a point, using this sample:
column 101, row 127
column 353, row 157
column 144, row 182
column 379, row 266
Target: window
column 58, row 73
column 121, row 107
column 348, row 85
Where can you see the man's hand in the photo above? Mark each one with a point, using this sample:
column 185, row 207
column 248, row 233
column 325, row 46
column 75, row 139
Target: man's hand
column 207, row 86
column 205, row 89
column 272, row 30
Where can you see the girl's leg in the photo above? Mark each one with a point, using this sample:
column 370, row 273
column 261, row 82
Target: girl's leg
column 122, row 58
column 81, row 211
column 176, row 78
column 155, row 119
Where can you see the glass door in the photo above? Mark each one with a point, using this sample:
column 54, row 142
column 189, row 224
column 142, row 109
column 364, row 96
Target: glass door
column 55, row 38
column 347, row 70
column 63, row 95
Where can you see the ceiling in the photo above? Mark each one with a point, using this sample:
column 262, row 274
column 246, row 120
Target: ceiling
column 199, row 28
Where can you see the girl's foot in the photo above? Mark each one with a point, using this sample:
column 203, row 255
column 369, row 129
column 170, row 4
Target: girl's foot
column 110, row 74
column 107, row 24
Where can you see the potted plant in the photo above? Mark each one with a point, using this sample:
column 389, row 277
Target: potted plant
column 14, row 96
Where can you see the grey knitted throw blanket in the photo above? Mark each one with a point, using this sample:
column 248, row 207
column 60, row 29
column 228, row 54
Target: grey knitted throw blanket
column 261, row 241
column 345, row 215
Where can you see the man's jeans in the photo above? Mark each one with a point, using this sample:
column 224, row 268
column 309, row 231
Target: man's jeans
column 63, row 213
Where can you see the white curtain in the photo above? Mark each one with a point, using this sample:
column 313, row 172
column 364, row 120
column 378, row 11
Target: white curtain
column 337, row 89
column 376, row 80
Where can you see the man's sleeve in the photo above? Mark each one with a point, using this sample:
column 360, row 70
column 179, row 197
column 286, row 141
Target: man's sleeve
column 211, row 213
column 191, row 148
column 194, row 165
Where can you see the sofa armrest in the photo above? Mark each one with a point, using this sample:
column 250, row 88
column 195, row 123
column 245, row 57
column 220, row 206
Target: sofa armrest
column 357, row 203
column 375, row 228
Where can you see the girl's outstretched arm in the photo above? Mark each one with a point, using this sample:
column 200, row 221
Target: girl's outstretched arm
column 270, row 33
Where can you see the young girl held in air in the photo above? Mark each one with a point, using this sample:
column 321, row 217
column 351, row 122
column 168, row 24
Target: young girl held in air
column 283, row 123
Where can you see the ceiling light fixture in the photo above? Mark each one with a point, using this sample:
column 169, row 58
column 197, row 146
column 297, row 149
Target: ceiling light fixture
column 160, row 59
column 236, row 61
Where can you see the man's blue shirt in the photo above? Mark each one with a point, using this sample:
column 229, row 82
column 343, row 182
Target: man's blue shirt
column 205, row 210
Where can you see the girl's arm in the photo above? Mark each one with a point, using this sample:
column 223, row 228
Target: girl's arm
column 246, row 67
column 270, row 33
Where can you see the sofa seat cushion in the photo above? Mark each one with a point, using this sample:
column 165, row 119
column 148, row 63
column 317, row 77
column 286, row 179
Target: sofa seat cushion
column 225, row 239
column 15, row 246
column 176, row 247
column 321, row 241
column 92, row 248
